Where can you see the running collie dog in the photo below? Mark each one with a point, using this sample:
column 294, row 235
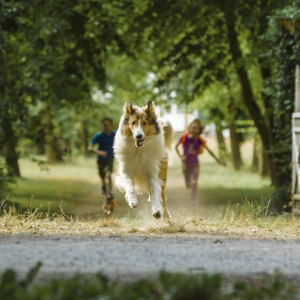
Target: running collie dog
column 140, row 148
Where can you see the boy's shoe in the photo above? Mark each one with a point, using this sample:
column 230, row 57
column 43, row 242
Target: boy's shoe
column 109, row 198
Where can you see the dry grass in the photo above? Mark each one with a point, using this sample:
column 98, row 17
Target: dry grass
column 240, row 221
column 67, row 201
column 74, row 186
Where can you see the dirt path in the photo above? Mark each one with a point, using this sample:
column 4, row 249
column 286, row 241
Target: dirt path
column 131, row 257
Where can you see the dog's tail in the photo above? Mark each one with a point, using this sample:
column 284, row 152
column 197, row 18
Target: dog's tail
column 168, row 132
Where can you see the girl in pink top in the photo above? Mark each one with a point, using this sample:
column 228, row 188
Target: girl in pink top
column 193, row 144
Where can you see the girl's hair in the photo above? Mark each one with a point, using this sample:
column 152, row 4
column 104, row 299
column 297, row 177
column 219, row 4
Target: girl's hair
column 198, row 123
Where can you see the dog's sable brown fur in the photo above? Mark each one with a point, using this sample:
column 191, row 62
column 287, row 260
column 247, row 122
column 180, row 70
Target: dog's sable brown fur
column 132, row 114
column 141, row 150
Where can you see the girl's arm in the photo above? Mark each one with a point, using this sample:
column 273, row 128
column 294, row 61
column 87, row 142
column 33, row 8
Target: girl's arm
column 177, row 150
column 215, row 157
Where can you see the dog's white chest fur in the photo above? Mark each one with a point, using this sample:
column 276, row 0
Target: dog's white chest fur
column 140, row 164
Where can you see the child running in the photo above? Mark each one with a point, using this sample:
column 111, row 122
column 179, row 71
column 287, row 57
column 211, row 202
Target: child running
column 193, row 144
column 105, row 155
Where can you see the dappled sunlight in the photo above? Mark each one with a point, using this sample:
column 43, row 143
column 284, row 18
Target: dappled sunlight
column 228, row 204
column 73, row 168
column 219, row 211
column 74, row 187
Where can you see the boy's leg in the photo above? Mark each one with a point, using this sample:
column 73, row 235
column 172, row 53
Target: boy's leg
column 101, row 171
column 109, row 170
column 104, row 190
column 109, row 179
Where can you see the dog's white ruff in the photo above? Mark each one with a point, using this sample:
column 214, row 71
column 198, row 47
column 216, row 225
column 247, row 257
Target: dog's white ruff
column 139, row 167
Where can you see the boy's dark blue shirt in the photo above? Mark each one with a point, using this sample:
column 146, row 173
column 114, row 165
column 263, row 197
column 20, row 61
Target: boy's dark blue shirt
column 105, row 143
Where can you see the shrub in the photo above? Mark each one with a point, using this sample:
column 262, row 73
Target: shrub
column 166, row 286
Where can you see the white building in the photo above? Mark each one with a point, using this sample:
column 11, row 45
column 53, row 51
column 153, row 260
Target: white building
column 178, row 118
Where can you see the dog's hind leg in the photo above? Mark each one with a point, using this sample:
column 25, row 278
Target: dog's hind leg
column 163, row 178
column 166, row 214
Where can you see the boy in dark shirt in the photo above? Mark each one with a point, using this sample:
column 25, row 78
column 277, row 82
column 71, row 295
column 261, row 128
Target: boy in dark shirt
column 105, row 154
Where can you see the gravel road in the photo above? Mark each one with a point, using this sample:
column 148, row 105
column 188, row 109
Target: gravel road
column 131, row 257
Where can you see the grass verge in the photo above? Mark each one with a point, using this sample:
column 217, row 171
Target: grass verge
column 242, row 220
column 164, row 286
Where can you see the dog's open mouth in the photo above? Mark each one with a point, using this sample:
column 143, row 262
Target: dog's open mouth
column 139, row 143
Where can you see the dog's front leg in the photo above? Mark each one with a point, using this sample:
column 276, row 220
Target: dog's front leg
column 155, row 196
column 130, row 194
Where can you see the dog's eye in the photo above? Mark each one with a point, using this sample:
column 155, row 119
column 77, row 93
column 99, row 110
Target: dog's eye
column 145, row 123
column 133, row 123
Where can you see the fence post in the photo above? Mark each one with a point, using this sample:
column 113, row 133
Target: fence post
column 296, row 145
column 297, row 89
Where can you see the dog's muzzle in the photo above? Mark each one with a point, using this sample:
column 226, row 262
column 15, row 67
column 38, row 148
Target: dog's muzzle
column 138, row 142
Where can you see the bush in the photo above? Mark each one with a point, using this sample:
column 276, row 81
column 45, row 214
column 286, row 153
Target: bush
column 165, row 286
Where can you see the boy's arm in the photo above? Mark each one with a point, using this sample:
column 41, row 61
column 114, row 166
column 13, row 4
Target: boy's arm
column 215, row 157
column 90, row 147
column 100, row 152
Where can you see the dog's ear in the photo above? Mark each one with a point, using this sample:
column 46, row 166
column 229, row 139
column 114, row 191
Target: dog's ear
column 151, row 107
column 127, row 108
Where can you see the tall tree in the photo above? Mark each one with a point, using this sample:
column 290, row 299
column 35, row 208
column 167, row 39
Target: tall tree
column 11, row 95
column 209, row 39
column 64, row 45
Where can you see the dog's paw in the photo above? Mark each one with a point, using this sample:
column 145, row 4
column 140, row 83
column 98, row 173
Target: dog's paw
column 134, row 204
column 170, row 222
column 166, row 216
column 132, row 200
column 156, row 212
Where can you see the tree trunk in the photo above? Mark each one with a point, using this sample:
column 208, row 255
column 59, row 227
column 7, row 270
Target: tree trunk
column 248, row 96
column 11, row 160
column 40, row 146
column 264, row 164
column 85, row 138
column 39, row 137
column 52, row 150
column 9, row 150
column 235, row 147
column 275, row 133
column 63, row 144
column 268, row 165
column 255, row 159
column 2, row 92
column 221, row 141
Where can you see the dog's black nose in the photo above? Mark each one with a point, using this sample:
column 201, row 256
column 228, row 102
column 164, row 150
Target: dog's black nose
column 139, row 136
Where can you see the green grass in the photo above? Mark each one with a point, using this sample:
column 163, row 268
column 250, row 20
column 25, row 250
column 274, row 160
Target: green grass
column 164, row 286
column 74, row 187
column 230, row 204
